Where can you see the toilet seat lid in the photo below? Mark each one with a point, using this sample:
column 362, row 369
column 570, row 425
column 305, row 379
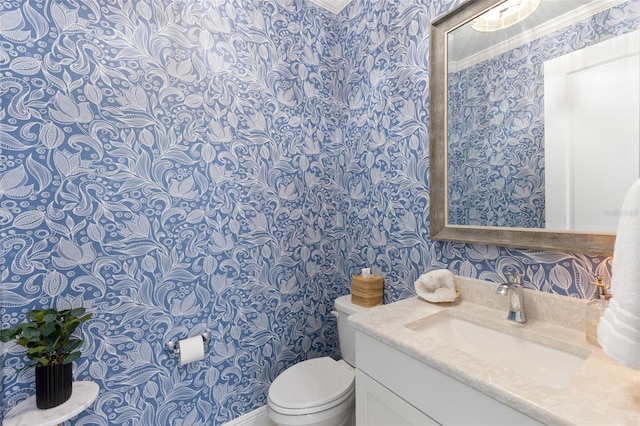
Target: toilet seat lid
column 312, row 383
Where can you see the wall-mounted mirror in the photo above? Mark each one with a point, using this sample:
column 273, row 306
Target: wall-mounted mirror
column 535, row 136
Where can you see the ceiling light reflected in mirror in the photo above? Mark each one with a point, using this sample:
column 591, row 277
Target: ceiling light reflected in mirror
column 505, row 15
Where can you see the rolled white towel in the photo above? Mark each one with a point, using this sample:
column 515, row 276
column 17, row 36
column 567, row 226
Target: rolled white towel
column 619, row 328
column 436, row 286
column 619, row 335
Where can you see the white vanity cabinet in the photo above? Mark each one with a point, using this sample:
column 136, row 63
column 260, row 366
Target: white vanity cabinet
column 393, row 388
column 378, row 406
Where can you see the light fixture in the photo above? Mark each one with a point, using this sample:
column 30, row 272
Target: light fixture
column 505, row 14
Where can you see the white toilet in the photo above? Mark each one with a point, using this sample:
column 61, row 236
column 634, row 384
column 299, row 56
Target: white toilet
column 320, row 391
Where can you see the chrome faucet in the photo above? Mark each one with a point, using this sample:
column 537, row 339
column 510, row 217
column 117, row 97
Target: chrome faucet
column 515, row 291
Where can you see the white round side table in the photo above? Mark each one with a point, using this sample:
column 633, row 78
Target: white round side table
column 27, row 414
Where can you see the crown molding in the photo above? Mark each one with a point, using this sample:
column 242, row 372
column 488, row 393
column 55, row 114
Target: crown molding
column 333, row 6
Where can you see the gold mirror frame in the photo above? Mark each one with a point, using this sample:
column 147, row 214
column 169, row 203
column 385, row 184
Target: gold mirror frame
column 440, row 229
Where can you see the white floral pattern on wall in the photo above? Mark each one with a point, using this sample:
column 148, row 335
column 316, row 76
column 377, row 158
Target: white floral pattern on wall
column 167, row 164
column 496, row 149
column 176, row 166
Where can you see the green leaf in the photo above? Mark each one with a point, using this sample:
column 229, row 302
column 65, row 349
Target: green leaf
column 41, row 361
column 72, row 345
column 31, row 334
column 77, row 312
column 71, row 327
column 85, row 318
column 48, row 329
column 37, row 349
column 54, row 343
column 71, row 357
column 36, row 315
column 50, row 317
column 6, row 335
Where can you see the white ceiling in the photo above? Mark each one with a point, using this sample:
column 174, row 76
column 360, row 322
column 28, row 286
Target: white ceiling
column 334, row 6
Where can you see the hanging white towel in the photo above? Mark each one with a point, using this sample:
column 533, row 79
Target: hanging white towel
column 436, row 286
column 619, row 328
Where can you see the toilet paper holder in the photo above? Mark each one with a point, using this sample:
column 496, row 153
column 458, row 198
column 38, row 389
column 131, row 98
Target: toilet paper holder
column 172, row 345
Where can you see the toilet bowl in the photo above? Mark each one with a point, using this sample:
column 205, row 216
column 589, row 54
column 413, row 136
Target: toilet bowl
column 320, row 391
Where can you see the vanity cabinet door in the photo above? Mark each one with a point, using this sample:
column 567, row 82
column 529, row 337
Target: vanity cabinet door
column 423, row 388
column 378, row 406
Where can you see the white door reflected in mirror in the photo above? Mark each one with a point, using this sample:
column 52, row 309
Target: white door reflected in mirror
column 591, row 133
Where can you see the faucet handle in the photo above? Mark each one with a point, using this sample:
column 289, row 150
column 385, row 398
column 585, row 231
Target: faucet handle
column 515, row 278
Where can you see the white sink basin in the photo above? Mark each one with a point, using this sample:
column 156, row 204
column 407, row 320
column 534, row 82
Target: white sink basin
column 546, row 365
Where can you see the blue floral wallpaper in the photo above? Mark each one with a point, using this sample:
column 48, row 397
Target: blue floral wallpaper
column 177, row 166
column 496, row 149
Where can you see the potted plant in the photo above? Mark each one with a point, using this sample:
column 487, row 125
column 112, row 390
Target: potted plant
column 47, row 337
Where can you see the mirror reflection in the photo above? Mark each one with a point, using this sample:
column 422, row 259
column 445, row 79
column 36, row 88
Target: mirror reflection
column 542, row 114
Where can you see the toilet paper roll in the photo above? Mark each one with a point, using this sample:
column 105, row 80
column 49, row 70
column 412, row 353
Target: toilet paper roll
column 191, row 349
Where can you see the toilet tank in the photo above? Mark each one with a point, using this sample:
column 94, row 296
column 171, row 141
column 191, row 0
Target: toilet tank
column 346, row 333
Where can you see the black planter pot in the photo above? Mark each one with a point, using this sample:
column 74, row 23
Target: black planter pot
column 53, row 385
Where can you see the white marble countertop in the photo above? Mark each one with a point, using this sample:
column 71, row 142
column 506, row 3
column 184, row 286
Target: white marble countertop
column 27, row 414
column 602, row 392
